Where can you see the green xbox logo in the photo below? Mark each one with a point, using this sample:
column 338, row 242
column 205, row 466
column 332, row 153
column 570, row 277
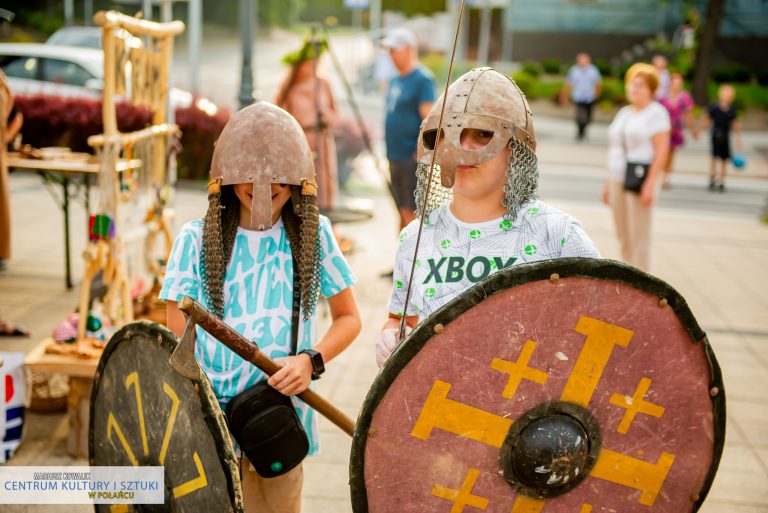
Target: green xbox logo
column 533, row 211
column 445, row 244
column 530, row 249
column 429, row 293
column 475, row 234
column 506, row 225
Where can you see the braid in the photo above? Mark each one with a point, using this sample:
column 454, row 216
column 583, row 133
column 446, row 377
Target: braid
column 219, row 231
column 300, row 217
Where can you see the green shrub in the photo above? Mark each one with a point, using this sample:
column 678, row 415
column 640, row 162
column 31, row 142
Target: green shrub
column 623, row 69
column 532, row 68
column 613, row 91
column 438, row 65
column 549, row 90
column 762, row 77
column 735, row 73
column 753, row 95
column 527, row 83
column 605, row 105
column 41, row 22
column 603, row 66
column 748, row 96
column 552, row 66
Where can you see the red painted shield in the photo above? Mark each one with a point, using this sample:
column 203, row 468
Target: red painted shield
column 571, row 385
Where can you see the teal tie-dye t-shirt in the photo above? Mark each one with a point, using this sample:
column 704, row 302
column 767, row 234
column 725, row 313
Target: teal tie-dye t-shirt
column 257, row 303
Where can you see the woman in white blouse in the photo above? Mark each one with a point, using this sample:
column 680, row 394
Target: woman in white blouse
column 638, row 144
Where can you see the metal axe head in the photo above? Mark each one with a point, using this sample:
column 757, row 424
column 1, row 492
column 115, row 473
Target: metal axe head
column 183, row 358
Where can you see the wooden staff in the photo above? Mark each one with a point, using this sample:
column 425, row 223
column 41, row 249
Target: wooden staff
column 249, row 352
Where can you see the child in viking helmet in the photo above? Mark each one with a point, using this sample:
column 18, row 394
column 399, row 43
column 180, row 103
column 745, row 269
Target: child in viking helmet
column 262, row 226
column 482, row 214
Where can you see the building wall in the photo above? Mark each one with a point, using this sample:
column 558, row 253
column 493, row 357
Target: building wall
column 743, row 18
column 606, row 28
column 535, row 46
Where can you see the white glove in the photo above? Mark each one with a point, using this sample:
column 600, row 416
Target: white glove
column 387, row 343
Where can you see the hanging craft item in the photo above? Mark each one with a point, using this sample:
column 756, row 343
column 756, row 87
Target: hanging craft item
column 101, row 227
column 66, row 330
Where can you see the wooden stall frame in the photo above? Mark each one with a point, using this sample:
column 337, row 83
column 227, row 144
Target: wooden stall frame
column 108, row 255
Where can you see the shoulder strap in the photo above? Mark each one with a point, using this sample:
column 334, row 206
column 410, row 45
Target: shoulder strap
column 296, row 310
column 624, row 135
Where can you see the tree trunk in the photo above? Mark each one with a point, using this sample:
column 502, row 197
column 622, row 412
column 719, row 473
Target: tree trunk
column 703, row 63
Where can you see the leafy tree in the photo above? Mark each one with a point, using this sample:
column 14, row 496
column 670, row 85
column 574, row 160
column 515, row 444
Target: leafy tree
column 705, row 50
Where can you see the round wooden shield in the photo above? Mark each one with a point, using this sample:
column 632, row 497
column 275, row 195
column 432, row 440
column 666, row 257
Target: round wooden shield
column 144, row 413
column 572, row 385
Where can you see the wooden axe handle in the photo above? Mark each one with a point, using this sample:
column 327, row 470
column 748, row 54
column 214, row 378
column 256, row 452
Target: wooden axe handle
column 249, row 352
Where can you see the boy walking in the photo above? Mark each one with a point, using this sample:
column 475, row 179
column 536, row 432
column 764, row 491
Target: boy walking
column 723, row 119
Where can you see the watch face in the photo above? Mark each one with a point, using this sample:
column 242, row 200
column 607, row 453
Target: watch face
column 318, row 366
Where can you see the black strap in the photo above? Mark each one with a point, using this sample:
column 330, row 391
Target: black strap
column 296, row 310
column 624, row 137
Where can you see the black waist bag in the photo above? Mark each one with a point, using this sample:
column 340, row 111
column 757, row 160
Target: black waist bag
column 267, row 429
column 635, row 176
column 264, row 421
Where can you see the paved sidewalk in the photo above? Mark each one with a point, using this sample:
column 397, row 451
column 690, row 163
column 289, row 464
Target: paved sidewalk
column 718, row 264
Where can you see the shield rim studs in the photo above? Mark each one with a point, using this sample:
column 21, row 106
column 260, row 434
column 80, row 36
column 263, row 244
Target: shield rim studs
column 564, row 268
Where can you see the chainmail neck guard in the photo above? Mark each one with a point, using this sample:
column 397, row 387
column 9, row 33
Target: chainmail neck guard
column 521, row 185
column 301, row 222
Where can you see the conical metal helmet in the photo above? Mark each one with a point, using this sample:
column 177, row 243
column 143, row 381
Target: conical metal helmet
column 263, row 144
column 482, row 99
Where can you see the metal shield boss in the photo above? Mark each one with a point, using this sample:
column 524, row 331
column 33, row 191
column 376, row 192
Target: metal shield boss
column 143, row 413
column 571, row 385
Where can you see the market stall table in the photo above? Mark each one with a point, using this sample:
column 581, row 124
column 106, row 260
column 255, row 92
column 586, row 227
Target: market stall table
column 81, row 372
column 67, row 168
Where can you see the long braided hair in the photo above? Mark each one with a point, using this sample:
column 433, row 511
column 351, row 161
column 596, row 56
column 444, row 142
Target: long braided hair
column 300, row 217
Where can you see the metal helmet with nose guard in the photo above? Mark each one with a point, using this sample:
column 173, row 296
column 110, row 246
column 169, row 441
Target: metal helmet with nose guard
column 263, row 144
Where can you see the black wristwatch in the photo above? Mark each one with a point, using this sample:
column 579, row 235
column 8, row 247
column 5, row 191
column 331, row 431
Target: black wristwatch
column 318, row 366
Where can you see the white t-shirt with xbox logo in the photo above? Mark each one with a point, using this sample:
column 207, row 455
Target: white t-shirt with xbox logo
column 454, row 255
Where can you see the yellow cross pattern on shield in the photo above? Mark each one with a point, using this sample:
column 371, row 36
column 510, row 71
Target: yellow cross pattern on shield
column 441, row 412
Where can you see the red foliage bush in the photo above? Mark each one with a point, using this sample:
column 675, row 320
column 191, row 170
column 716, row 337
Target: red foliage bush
column 199, row 132
column 68, row 121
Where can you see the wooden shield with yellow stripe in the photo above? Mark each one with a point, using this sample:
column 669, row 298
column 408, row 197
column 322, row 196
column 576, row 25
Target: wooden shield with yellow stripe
column 144, row 413
column 572, row 385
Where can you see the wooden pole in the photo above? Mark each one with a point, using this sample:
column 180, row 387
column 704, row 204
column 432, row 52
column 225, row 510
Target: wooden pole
column 249, row 352
column 138, row 27
column 133, row 138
